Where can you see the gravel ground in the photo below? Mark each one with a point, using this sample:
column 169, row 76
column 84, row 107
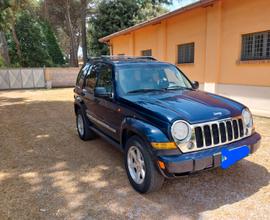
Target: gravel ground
column 47, row 172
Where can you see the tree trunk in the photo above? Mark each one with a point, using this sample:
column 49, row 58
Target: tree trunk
column 46, row 12
column 83, row 24
column 73, row 52
column 15, row 38
column 4, row 48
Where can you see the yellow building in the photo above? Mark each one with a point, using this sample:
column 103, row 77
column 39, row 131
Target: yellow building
column 223, row 44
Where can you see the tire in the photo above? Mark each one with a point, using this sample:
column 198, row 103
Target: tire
column 82, row 124
column 152, row 180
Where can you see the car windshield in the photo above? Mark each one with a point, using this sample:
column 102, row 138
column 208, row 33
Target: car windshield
column 141, row 77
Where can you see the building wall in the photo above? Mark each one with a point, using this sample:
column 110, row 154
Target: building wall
column 120, row 45
column 145, row 39
column 241, row 17
column 187, row 28
column 217, row 33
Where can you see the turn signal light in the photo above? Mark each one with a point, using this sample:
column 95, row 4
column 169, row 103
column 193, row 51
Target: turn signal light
column 164, row 146
column 161, row 165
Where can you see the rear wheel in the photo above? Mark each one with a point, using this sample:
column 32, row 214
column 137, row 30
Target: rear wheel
column 141, row 171
column 84, row 132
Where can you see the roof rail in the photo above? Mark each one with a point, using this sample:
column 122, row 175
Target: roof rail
column 92, row 58
column 120, row 57
column 112, row 57
column 145, row 58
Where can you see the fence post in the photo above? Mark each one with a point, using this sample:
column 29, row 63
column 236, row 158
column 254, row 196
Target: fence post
column 21, row 77
column 48, row 81
column 34, row 82
column 9, row 84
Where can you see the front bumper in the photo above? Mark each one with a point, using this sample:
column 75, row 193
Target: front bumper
column 187, row 163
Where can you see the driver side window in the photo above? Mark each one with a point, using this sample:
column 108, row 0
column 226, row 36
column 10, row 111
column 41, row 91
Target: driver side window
column 105, row 78
column 91, row 79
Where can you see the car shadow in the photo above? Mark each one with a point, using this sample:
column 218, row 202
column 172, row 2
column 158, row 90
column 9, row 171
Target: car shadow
column 212, row 189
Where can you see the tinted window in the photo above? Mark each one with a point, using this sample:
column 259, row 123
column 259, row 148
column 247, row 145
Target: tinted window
column 83, row 73
column 92, row 78
column 145, row 77
column 105, row 78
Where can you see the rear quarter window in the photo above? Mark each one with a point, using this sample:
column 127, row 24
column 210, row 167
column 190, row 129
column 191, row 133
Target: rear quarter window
column 83, row 72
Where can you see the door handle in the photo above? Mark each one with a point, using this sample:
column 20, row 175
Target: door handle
column 83, row 93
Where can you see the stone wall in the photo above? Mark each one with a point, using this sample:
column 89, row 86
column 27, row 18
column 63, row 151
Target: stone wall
column 61, row 76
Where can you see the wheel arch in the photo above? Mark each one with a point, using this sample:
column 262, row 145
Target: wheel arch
column 78, row 105
column 146, row 131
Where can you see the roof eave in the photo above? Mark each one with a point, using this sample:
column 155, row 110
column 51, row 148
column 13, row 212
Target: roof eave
column 201, row 3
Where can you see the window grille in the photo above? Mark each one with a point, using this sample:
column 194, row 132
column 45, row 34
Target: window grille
column 256, row 46
column 186, row 53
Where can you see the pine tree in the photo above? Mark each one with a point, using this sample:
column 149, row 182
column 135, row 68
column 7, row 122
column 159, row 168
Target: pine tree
column 52, row 45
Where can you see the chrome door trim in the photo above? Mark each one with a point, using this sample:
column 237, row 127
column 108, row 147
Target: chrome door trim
column 101, row 123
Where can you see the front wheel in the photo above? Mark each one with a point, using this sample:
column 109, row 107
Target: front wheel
column 141, row 171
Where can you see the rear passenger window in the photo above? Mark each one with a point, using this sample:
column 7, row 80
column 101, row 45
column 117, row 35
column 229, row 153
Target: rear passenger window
column 82, row 73
column 91, row 78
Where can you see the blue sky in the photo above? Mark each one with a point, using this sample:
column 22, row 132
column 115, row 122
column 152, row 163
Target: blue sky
column 180, row 3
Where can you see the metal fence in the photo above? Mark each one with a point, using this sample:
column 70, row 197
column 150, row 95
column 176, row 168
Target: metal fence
column 22, row 78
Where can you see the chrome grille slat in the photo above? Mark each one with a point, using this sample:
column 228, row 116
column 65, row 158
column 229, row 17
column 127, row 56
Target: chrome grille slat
column 229, row 130
column 203, row 136
column 219, row 132
column 238, row 127
column 232, row 129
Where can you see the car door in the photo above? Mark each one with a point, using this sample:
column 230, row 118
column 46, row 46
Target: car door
column 88, row 92
column 107, row 109
column 81, row 79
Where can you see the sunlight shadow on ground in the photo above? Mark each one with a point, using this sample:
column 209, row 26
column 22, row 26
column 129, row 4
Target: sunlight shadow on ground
column 47, row 172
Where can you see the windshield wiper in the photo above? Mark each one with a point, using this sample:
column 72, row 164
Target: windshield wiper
column 145, row 90
column 178, row 87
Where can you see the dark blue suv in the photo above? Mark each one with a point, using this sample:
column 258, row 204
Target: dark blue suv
column 164, row 125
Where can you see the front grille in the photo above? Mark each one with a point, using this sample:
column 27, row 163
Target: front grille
column 217, row 133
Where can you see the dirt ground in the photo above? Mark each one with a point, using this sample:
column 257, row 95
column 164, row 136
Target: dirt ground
column 47, row 172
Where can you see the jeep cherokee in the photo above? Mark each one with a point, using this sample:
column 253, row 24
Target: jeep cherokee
column 165, row 126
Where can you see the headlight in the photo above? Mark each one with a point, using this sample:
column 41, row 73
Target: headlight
column 180, row 130
column 247, row 118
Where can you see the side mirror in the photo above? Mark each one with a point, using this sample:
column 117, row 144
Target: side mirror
column 195, row 84
column 101, row 92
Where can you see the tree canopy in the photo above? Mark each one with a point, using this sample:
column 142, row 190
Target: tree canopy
column 48, row 32
column 30, row 40
column 114, row 15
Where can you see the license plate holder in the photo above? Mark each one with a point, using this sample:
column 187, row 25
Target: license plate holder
column 231, row 156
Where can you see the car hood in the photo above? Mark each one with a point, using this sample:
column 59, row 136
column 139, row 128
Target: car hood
column 193, row 106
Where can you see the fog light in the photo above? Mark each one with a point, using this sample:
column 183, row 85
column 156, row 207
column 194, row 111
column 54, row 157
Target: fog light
column 190, row 145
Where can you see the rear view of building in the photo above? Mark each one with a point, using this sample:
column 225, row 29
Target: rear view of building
column 223, row 44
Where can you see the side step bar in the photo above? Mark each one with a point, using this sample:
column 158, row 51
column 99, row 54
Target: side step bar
column 110, row 140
